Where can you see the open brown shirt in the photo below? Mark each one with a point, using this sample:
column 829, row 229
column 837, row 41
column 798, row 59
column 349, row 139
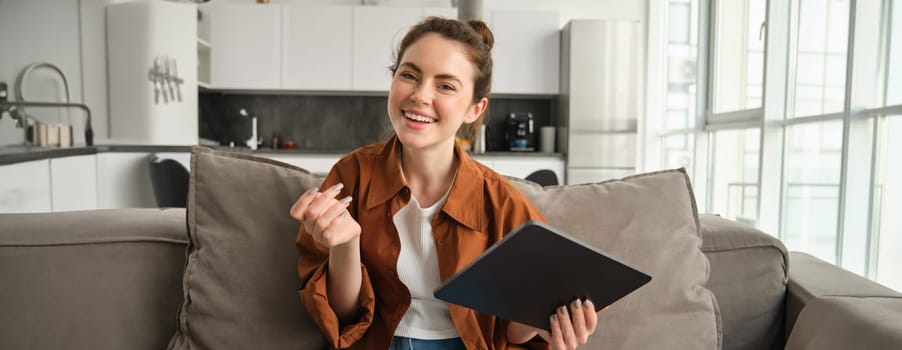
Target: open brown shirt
column 481, row 208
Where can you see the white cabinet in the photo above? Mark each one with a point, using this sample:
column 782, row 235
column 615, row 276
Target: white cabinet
column 316, row 47
column 246, row 41
column 445, row 12
column 123, row 181
column 314, row 163
column 601, row 85
column 377, row 33
column 25, row 187
column 73, row 183
column 526, row 52
column 523, row 166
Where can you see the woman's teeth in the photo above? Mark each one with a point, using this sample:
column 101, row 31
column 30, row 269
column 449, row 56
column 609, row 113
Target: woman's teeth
column 418, row 118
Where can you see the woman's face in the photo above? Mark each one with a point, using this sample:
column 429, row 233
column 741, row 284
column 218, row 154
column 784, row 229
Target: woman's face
column 431, row 93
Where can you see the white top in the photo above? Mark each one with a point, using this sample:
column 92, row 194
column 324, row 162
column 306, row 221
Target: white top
column 427, row 317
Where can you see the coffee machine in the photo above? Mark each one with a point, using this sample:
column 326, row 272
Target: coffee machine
column 521, row 132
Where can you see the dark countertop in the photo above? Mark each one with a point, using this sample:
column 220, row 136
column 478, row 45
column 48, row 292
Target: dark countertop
column 18, row 154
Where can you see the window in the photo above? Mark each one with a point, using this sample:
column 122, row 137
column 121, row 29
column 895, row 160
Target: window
column 822, row 163
column 678, row 150
column 894, row 79
column 820, row 67
column 734, row 174
column 738, row 44
column 887, row 206
column 682, row 62
column 811, row 188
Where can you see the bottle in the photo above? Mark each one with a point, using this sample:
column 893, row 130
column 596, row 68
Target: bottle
column 275, row 141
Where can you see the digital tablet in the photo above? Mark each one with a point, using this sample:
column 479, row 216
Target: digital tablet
column 533, row 270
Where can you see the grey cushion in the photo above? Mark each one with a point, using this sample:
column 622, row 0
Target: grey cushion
column 849, row 323
column 748, row 276
column 650, row 221
column 241, row 281
column 103, row 279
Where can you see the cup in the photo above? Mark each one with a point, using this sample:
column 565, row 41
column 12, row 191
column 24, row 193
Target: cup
column 546, row 139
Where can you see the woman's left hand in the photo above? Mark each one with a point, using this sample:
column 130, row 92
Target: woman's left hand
column 571, row 328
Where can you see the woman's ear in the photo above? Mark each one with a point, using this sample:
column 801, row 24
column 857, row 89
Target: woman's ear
column 476, row 110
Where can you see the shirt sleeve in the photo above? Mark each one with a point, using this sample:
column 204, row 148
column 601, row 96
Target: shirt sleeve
column 312, row 270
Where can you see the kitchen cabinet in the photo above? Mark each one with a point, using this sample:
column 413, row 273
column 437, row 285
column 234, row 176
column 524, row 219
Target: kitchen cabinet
column 446, row 12
column 523, row 166
column 314, row 163
column 316, row 47
column 601, row 85
column 152, row 55
column 526, row 52
column 246, row 46
column 377, row 31
column 73, row 183
column 512, row 165
column 123, row 181
column 25, row 187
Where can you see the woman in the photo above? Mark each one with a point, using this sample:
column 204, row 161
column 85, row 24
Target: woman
column 395, row 219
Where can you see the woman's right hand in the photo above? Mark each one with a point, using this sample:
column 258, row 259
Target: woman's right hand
column 325, row 218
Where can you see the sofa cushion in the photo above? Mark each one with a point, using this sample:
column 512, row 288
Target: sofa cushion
column 240, row 282
column 649, row 221
column 749, row 270
column 99, row 279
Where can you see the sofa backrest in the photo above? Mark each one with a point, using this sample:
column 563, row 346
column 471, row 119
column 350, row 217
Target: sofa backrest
column 749, row 271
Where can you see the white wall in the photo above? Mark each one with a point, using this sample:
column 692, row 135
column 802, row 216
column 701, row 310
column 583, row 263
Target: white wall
column 71, row 35
column 45, row 31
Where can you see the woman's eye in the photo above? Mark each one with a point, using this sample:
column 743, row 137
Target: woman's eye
column 447, row 87
column 408, row 76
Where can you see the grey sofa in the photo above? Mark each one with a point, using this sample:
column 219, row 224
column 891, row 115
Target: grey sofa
column 111, row 279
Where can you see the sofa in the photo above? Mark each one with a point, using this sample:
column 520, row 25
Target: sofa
column 116, row 279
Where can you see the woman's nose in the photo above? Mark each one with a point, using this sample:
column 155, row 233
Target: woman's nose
column 421, row 94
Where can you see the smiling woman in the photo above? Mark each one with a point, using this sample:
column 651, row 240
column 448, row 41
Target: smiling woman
column 415, row 210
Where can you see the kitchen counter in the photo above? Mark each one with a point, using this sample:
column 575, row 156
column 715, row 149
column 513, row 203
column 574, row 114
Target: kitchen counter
column 18, row 154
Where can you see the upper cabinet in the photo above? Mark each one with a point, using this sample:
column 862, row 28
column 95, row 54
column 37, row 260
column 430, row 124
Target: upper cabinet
column 314, row 58
column 246, row 41
column 350, row 48
column 526, row 53
column 377, row 32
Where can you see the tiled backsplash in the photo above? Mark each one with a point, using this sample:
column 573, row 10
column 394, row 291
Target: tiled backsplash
column 333, row 123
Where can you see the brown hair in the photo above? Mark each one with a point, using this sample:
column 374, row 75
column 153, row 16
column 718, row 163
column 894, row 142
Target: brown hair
column 478, row 39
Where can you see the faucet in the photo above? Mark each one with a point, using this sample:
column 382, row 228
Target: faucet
column 15, row 110
column 254, row 140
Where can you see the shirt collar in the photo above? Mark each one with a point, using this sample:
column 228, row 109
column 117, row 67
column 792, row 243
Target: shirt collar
column 465, row 203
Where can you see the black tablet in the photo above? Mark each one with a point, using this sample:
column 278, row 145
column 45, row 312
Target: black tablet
column 535, row 269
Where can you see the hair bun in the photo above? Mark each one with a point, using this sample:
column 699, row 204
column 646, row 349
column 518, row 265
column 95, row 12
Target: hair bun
column 483, row 31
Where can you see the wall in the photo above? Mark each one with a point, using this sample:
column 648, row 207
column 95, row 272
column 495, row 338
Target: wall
column 32, row 31
column 71, row 34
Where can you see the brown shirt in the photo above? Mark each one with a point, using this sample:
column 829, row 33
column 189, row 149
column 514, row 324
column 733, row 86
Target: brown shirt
column 481, row 208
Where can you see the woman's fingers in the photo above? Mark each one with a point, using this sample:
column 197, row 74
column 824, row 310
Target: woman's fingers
column 297, row 210
column 579, row 321
column 566, row 327
column 322, row 202
column 591, row 316
column 557, row 339
column 329, row 219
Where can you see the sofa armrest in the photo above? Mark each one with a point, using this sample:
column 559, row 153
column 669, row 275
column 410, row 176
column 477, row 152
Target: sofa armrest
column 829, row 307
column 97, row 279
